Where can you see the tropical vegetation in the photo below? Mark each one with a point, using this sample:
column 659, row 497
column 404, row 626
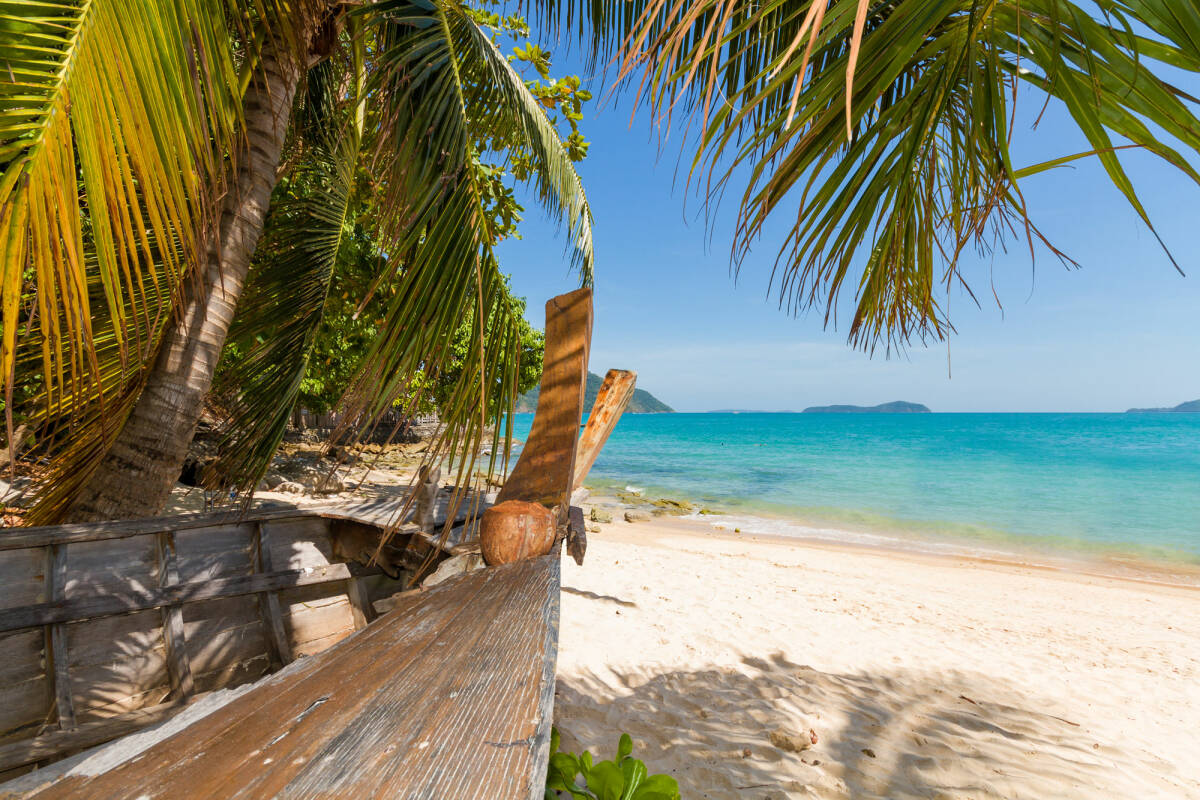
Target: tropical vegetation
column 265, row 149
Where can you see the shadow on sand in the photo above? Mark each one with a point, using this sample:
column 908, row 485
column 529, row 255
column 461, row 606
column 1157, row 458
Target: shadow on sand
column 899, row 735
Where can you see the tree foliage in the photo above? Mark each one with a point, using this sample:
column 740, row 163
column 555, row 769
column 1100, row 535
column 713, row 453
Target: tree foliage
column 119, row 127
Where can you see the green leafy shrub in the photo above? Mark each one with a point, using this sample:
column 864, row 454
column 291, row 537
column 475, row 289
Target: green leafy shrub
column 624, row 778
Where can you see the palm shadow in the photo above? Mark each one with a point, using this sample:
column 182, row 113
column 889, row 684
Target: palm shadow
column 904, row 734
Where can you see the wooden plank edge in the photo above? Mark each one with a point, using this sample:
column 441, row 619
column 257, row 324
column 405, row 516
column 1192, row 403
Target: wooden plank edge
column 47, row 535
column 89, row 734
column 539, row 750
column 108, row 605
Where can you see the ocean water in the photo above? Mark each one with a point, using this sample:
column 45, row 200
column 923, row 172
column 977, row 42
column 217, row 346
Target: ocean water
column 1119, row 484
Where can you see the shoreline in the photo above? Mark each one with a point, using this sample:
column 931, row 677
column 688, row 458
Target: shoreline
column 1147, row 574
column 1108, row 561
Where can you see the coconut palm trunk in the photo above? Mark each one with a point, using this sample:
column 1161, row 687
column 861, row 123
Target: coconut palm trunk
column 135, row 477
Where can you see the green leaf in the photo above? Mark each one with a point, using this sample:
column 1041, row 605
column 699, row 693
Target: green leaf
column 606, row 781
column 624, row 747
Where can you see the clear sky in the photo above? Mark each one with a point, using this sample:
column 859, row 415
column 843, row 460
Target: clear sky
column 1122, row 331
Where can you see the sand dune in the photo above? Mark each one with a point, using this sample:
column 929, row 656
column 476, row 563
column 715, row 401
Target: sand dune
column 921, row 677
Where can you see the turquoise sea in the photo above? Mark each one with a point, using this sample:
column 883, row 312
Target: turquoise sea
column 1074, row 484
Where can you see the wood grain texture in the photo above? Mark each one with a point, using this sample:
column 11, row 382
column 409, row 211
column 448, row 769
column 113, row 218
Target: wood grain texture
column 58, row 663
column 545, row 472
column 432, row 701
column 179, row 667
column 136, row 598
column 272, row 614
column 611, row 401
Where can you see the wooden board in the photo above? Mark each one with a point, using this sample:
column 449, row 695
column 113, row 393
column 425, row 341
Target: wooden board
column 460, row 707
column 545, row 472
column 611, row 401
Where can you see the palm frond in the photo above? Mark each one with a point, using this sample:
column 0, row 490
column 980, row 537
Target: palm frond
column 114, row 117
column 883, row 127
column 439, row 86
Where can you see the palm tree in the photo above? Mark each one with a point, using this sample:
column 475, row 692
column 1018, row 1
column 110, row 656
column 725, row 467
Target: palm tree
column 880, row 129
column 140, row 142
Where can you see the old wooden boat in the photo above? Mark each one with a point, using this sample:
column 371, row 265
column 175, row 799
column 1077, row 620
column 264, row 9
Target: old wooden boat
column 139, row 633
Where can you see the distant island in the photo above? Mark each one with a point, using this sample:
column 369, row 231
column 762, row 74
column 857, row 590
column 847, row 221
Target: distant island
column 898, row 407
column 1190, row 407
column 748, row 411
column 642, row 401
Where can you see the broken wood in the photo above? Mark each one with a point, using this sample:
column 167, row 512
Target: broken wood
column 611, row 401
column 576, row 535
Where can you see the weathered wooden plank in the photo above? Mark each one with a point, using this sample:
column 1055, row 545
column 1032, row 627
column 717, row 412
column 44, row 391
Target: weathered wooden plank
column 23, row 576
column 611, row 401
column 52, row 745
column 174, row 637
column 545, row 472
column 58, row 665
column 277, row 640
column 117, row 664
column 139, row 599
column 360, row 603
column 383, row 512
column 24, row 708
column 43, row 536
column 207, row 553
column 315, row 614
column 456, row 706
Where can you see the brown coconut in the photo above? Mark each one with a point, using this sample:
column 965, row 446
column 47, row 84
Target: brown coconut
column 516, row 530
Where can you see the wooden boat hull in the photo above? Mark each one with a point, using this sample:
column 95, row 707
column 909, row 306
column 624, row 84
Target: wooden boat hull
column 109, row 627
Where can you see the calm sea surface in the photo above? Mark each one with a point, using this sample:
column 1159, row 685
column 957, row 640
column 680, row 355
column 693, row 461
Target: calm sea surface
column 1066, row 483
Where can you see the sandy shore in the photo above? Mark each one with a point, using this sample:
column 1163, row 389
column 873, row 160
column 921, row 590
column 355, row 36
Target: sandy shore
column 921, row 676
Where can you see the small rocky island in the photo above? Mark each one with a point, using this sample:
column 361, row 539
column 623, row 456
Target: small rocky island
column 642, row 401
column 1192, row 406
column 897, row 407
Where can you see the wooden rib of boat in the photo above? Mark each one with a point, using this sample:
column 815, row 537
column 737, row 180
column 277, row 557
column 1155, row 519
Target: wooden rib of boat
column 112, row 628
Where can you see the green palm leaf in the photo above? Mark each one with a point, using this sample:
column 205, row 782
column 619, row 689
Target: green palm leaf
column 882, row 128
column 113, row 111
column 442, row 85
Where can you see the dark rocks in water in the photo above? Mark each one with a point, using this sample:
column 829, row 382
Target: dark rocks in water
column 676, row 508
column 897, row 407
column 1190, row 407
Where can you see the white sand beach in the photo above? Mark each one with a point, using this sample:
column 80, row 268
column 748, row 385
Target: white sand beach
column 921, row 676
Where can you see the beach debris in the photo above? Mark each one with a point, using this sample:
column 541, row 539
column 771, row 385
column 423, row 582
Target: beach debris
column 576, row 535
column 791, row 742
column 634, row 515
column 745, row 752
column 868, row 752
column 425, row 496
column 592, row 527
column 598, row 514
column 272, row 479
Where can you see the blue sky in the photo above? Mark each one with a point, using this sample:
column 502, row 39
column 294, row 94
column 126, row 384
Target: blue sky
column 1122, row 331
